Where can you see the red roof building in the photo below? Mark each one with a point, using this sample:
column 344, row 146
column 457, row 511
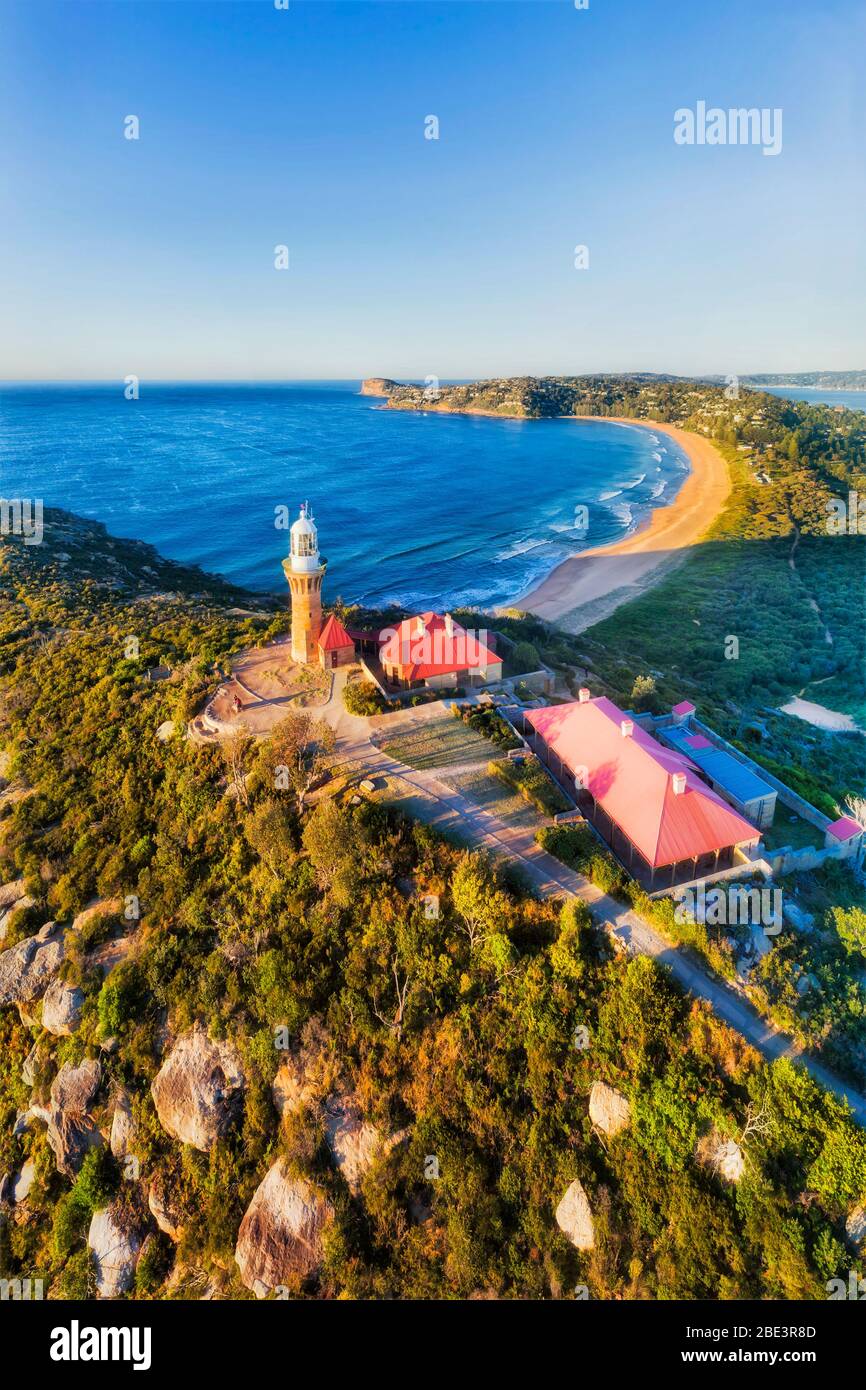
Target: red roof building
column 434, row 650
column 336, row 647
column 647, row 801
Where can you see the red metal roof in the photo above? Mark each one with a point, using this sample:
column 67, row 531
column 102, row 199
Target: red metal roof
column 427, row 645
column 631, row 777
column 334, row 636
column 844, row 829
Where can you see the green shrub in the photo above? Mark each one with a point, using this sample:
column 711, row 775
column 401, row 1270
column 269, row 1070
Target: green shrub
column 531, row 781
column 363, row 698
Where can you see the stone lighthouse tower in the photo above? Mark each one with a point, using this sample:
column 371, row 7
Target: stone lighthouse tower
column 305, row 572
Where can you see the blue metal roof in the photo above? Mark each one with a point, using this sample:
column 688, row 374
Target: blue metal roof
column 721, row 767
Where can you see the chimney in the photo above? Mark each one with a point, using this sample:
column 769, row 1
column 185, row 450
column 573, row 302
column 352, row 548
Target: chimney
column 583, row 694
column 626, row 727
column 420, row 626
column 449, row 625
column 679, row 781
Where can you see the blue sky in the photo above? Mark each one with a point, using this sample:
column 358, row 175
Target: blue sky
column 412, row 257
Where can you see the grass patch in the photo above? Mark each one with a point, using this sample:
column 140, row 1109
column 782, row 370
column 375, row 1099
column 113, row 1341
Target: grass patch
column 437, row 743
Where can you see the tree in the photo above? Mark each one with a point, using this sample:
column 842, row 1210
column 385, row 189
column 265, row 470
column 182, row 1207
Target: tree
column 402, row 990
column 271, row 834
column 300, row 749
column 237, row 751
column 850, row 923
column 477, row 899
column 643, row 692
column 330, row 840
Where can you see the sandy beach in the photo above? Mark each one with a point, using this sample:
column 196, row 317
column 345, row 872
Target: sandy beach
column 588, row 586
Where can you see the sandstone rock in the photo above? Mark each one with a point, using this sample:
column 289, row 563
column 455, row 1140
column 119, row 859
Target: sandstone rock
column 71, row 1128
column 198, row 1091
column 354, row 1143
column 26, row 970
column 12, row 899
column 22, row 1182
column 23, row 1121
column 855, row 1227
column 29, row 1067
column 11, row 893
column 61, row 1008
column 292, row 1089
column 164, row 1212
column 116, row 1242
column 574, row 1218
column 122, row 1134
column 280, row 1236
column 608, row 1109
column 6, row 917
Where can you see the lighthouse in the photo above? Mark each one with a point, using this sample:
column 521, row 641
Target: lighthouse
column 305, row 571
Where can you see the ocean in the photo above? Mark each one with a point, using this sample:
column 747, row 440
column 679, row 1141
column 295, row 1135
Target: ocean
column 852, row 400
column 420, row 510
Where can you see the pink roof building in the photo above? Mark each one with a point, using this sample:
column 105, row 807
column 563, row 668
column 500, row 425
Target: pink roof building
column 647, row 800
column 431, row 647
column 844, row 829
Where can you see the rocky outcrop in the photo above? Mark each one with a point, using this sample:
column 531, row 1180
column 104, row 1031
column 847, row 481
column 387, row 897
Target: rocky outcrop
column 122, row 1134
column 61, row 1008
column 378, row 386
column 72, row 1129
column 855, row 1228
column 355, row 1144
column 198, row 1091
column 35, row 1059
column 11, row 893
column 26, row 970
column 116, row 1240
column 16, row 1189
column 280, row 1236
column 608, row 1109
column 13, row 899
column 574, row 1218
column 164, row 1211
column 292, row 1088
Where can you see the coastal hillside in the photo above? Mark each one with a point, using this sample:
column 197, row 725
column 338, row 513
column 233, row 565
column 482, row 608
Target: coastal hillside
column 241, row 1057
column 734, row 412
column 818, row 381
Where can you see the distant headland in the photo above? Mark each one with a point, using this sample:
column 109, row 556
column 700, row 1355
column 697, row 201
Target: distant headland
column 547, row 397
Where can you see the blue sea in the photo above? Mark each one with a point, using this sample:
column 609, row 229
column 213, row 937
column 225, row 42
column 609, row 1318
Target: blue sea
column 852, row 400
column 417, row 509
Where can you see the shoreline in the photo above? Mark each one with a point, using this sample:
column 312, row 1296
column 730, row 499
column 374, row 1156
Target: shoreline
column 590, row 585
